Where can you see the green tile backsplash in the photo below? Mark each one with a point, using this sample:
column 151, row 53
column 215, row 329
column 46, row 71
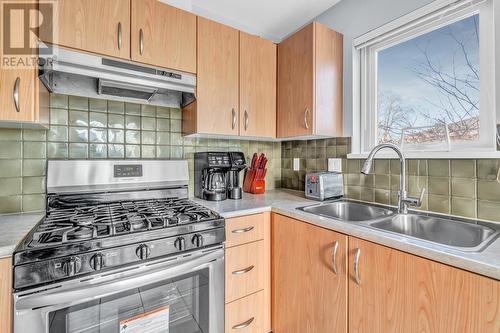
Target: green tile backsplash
column 82, row 128
column 467, row 188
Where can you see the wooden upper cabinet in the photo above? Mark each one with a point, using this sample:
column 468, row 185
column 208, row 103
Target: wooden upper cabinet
column 216, row 108
column 295, row 84
column 23, row 99
column 257, row 86
column 17, row 95
column 310, row 66
column 400, row 292
column 96, row 26
column 309, row 278
column 163, row 35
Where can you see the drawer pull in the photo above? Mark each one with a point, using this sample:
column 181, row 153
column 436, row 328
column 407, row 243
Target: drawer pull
column 240, row 231
column 244, row 324
column 244, row 270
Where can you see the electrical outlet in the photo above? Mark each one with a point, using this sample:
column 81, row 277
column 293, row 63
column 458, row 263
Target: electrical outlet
column 335, row 164
column 296, row 164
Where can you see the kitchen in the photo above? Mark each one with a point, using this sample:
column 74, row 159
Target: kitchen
column 191, row 166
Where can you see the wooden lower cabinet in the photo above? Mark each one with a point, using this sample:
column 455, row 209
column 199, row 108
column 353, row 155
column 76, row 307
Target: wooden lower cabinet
column 248, row 274
column 376, row 289
column 308, row 296
column 400, row 292
column 245, row 270
column 247, row 314
column 6, row 313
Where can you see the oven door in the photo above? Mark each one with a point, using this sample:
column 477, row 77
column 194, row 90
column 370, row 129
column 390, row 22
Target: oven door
column 177, row 295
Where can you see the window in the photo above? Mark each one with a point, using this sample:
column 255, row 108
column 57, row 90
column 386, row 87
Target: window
column 426, row 81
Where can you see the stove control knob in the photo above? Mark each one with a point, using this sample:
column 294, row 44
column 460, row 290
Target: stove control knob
column 143, row 251
column 96, row 262
column 180, row 243
column 197, row 240
column 72, row 266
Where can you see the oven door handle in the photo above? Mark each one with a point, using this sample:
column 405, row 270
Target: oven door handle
column 91, row 291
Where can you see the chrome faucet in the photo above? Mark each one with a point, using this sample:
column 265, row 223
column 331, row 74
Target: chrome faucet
column 403, row 200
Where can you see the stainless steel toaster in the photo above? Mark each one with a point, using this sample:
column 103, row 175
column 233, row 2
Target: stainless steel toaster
column 324, row 185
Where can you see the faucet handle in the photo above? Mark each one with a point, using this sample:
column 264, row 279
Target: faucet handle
column 416, row 202
column 421, row 197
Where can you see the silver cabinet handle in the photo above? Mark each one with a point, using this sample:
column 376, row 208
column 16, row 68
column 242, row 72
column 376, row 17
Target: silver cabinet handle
column 334, row 256
column 244, row 324
column 141, row 41
column 356, row 266
column 246, row 120
column 244, row 270
column 120, row 38
column 306, row 112
column 15, row 94
column 233, row 121
column 240, row 231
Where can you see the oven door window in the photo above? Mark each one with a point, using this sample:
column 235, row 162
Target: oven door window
column 178, row 305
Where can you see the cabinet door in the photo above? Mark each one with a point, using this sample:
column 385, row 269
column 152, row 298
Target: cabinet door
column 92, row 25
column 6, row 312
column 17, row 95
column 217, row 79
column 308, row 296
column 257, row 86
column 295, row 84
column 163, row 35
column 399, row 292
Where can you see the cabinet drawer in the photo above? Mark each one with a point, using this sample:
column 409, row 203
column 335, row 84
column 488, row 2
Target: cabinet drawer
column 244, row 270
column 244, row 229
column 247, row 315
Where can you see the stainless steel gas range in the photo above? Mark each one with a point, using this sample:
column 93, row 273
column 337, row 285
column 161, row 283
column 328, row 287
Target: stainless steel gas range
column 121, row 249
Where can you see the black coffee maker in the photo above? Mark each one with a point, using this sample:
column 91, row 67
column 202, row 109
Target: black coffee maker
column 234, row 190
column 216, row 175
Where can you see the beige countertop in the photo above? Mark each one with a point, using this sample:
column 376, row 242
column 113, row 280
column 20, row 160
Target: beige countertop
column 13, row 229
column 486, row 262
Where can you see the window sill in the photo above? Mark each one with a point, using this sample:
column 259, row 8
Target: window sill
column 432, row 155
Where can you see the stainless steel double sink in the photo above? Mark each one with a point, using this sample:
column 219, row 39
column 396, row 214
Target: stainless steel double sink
column 458, row 234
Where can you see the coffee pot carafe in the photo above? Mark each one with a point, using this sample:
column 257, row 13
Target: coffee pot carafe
column 214, row 187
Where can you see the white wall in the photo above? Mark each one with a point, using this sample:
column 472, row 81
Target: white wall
column 354, row 18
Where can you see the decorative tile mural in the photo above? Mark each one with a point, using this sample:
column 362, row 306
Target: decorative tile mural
column 466, row 188
column 82, row 128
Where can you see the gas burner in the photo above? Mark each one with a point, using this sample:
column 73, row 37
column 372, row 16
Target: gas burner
column 92, row 221
column 80, row 233
column 84, row 220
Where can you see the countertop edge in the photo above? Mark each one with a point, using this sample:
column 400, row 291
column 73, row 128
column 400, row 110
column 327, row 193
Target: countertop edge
column 14, row 228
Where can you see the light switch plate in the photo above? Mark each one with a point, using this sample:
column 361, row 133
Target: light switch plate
column 335, row 164
column 296, row 164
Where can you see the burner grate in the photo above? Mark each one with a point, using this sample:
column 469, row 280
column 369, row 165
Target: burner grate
column 63, row 225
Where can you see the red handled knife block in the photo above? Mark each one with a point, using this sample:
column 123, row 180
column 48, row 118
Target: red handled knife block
column 255, row 181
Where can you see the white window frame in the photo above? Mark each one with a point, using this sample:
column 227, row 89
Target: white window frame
column 428, row 18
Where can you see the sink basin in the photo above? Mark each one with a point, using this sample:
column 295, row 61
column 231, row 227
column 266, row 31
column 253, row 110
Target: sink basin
column 348, row 211
column 466, row 236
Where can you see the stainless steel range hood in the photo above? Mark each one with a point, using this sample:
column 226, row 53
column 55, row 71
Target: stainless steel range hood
column 81, row 74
